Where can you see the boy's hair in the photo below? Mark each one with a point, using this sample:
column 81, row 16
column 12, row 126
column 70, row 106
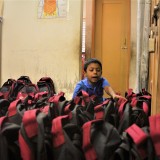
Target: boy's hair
column 92, row 60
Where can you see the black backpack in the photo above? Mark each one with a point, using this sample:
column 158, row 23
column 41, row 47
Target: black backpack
column 136, row 144
column 107, row 111
column 100, row 140
column 67, row 139
column 4, row 104
column 46, row 84
column 9, row 147
column 27, row 90
column 154, row 128
column 129, row 115
column 15, row 111
column 16, row 87
column 35, row 140
column 79, row 114
column 25, row 79
column 7, row 88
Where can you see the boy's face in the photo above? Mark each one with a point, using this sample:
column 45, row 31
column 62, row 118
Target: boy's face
column 93, row 72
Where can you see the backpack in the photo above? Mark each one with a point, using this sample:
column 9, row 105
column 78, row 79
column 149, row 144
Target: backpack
column 67, row 139
column 25, row 79
column 79, row 114
column 141, row 99
column 129, row 115
column 27, row 90
column 15, row 111
column 16, row 87
column 83, row 98
column 136, row 144
column 7, row 88
column 57, row 102
column 11, row 88
column 107, row 111
column 46, row 84
column 4, row 104
column 9, row 147
column 100, row 140
column 35, row 140
column 154, row 125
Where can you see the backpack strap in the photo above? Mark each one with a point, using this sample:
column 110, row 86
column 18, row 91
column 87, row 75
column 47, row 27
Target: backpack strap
column 111, row 113
column 26, row 152
column 121, row 108
column 31, row 129
column 99, row 110
column 146, row 104
column 43, row 137
column 136, row 133
column 154, row 122
column 138, row 136
column 12, row 110
column 2, row 119
column 57, row 131
column 30, row 122
column 130, row 94
column 89, row 150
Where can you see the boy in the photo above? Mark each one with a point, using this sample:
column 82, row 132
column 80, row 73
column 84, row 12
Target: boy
column 94, row 84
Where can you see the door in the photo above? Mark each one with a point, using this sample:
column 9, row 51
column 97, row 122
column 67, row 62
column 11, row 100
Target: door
column 154, row 66
column 112, row 41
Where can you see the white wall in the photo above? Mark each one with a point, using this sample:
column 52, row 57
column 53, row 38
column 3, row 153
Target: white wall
column 41, row 47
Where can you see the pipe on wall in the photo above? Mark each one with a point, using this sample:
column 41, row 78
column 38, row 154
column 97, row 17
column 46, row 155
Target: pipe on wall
column 145, row 47
column 140, row 9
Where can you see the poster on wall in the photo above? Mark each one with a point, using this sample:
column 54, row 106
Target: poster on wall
column 52, row 8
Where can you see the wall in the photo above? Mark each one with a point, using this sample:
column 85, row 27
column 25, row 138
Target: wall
column 1, row 13
column 41, row 47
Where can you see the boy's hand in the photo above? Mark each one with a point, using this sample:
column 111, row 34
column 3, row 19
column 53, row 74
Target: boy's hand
column 116, row 96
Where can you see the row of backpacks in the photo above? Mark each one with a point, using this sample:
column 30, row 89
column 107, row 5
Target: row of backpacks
column 44, row 125
column 14, row 89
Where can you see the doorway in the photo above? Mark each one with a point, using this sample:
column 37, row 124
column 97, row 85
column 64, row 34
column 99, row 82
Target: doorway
column 110, row 41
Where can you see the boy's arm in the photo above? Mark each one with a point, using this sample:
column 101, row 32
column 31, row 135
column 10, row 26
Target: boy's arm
column 110, row 92
column 77, row 89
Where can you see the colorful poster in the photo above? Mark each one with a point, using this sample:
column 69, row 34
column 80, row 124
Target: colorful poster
column 52, row 8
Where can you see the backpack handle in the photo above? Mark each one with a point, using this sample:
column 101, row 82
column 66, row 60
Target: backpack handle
column 57, row 98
